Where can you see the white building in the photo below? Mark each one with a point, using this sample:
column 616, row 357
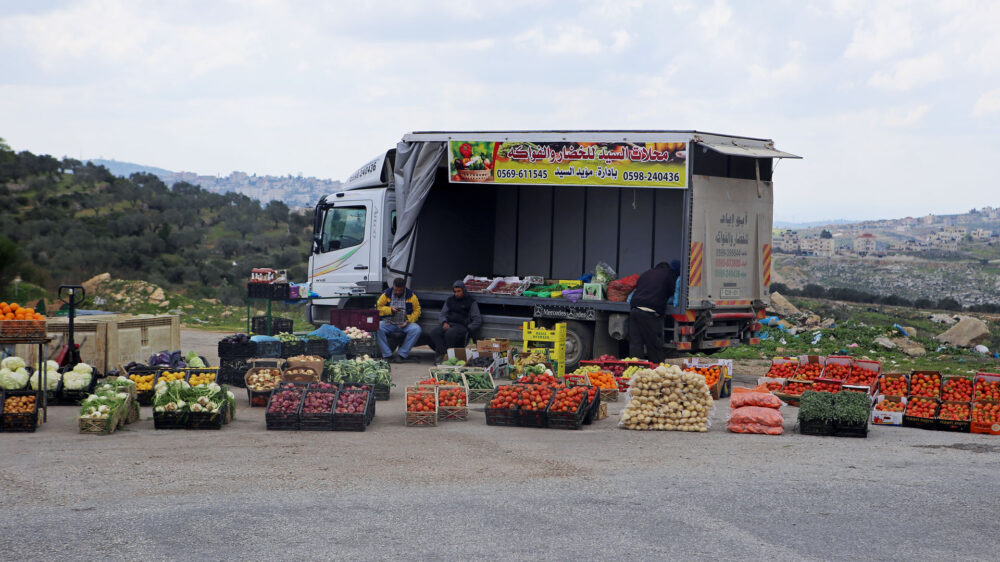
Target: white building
column 865, row 244
column 816, row 246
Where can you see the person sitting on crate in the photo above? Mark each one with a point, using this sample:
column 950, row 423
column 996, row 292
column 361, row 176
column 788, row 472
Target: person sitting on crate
column 459, row 319
column 649, row 306
column 398, row 309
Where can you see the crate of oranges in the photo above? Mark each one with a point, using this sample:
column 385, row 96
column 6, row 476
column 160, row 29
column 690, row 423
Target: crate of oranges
column 19, row 322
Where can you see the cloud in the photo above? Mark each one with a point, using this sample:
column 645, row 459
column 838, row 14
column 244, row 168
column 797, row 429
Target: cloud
column 905, row 116
column 622, row 41
column 567, row 39
column 713, row 20
column 882, row 33
column 987, row 104
column 910, row 73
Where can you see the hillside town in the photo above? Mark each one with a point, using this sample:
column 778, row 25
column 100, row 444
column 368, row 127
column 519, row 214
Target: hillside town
column 977, row 229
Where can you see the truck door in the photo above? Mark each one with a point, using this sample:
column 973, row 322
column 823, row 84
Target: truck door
column 343, row 248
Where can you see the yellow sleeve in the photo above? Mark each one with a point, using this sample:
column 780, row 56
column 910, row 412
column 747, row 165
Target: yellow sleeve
column 382, row 304
column 412, row 318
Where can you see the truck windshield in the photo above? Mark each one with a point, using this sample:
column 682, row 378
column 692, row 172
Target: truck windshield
column 343, row 227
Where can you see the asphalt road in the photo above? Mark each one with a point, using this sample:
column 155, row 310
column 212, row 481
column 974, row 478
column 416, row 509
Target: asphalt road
column 467, row 490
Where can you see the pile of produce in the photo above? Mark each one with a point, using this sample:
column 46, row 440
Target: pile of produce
column 357, row 333
column 420, row 401
column 478, row 380
column 955, row 411
column 263, row 380
column 285, row 337
column 286, row 400
column 451, row 397
column 987, row 390
column 476, row 285
column 19, row 404
column 862, row 376
column 784, row 370
column 920, row 407
column 524, row 361
column 667, row 399
column 143, row 383
column 362, row 370
column 13, row 375
column 14, row 311
column 52, row 376
column 171, row 376
column 453, row 362
column 177, row 360
column 890, row 406
column 957, row 389
column 482, row 361
column 795, row 388
column 178, row 396
column 319, row 400
column 522, row 397
column 837, row 371
column 826, row 386
column 985, row 412
column 202, row 378
column 299, row 373
column 755, row 412
column 893, row 385
column 352, row 402
column 305, row 359
column 79, row 378
column 851, row 409
column 808, row 371
column 568, row 400
column 545, row 378
column 237, row 339
column 925, row 384
column 816, row 408
column 712, row 374
column 604, row 380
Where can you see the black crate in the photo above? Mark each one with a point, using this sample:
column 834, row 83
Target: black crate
column 170, row 420
column 320, row 348
column 382, row 391
column 292, row 348
column 18, row 423
column 233, row 372
column 851, row 430
column 258, row 399
column 258, row 325
column 259, row 290
column 206, row 420
column 229, row 350
column 569, row 420
column 318, row 421
column 918, row 422
column 592, row 409
column 283, row 422
column 961, row 426
column 355, row 422
column 51, row 396
column 815, row 428
column 75, row 397
column 270, row 349
column 501, row 416
column 360, row 347
column 280, row 291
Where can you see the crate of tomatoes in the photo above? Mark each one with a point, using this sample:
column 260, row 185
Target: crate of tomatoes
column 864, row 373
column 502, row 407
column 894, row 384
column 782, row 368
column 888, row 410
column 985, row 417
column 954, row 416
column 921, row 412
column 925, row 384
column 453, row 403
column 837, row 367
column 810, row 368
column 421, row 406
column 568, row 408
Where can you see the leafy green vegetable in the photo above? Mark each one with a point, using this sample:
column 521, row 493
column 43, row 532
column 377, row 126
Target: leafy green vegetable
column 851, row 408
column 816, row 406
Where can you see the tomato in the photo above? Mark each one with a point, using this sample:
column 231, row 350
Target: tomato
column 808, row 371
column 836, row 371
column 893, row 385
column 465, row 150
column 987, row 389
column 957, row 389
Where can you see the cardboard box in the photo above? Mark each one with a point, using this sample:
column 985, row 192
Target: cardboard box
column 988, row 377
column 881, row 390
column 985, row 428
column 593, row 292
column 888, row 418
column 493, row 345
column 961, row 426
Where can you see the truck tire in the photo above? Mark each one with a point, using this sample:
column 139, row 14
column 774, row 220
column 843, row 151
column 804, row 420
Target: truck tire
column 579, row 343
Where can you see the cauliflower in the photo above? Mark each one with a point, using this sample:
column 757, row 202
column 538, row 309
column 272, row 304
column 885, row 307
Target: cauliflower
column 83, row 368
column 52, row 378
column 13, row 380
column 75, row 380
column 12, row 363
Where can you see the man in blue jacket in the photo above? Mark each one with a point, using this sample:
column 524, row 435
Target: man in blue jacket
column 399, row 310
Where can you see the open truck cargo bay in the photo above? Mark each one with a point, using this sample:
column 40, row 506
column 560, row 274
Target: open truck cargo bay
column 554, row 204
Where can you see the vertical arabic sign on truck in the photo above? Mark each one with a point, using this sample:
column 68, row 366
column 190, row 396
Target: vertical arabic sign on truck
column 625, row 164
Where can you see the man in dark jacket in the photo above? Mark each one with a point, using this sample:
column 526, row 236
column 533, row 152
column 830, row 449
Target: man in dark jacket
column 649, row 306
column 458, row 320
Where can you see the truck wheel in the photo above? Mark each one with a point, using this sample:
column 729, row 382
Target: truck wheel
column 579, row 343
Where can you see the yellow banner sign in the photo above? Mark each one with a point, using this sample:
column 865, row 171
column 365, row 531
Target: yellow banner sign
column 569, row 163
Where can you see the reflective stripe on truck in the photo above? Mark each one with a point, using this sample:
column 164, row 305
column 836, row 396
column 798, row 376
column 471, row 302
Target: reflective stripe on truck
column 694, row 271
column 765, row 253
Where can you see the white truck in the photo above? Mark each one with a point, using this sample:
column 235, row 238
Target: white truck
column 553, row 204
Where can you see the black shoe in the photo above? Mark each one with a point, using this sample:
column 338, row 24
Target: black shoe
column 409, row 359
column 393, row 359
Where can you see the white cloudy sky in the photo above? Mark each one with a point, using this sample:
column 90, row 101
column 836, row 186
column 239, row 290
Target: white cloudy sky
column 894, row 105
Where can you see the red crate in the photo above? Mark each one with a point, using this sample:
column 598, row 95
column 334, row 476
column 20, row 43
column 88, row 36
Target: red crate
column 361, row 318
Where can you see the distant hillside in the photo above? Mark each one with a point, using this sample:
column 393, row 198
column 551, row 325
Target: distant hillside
column 814, row 224
column 294, row 191
column 63, row 221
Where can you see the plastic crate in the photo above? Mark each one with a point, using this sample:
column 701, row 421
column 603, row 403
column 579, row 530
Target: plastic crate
column 366, row 319
column 279, row 291
column 569, row 420
column 170, row 420
column 361, row 347
column 20, row 423
column 320, row 348
column 318, row 421
column 815, row 428
column 501, row 416
column 355, row 422
column 535, row 418
column 592, row 408
column 228, row 350
column 259, row 290
column 382, row 392
column 292, row 348
column 281, row 421
column 232, row 371
column 268, row 349
column 258, row 325
column 849, row 430
column 75, row 397
column 205, row 420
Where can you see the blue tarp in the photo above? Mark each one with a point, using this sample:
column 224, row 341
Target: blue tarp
column 337, row 340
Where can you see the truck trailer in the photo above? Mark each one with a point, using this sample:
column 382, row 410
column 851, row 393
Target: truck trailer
column 553, row 205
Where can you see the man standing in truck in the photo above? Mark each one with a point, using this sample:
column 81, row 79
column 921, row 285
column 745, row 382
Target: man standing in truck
column 399, row 309
column 459, row 319
column 649, row 306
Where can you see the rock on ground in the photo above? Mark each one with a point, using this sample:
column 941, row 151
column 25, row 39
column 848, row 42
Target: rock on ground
column 885, row 342
column 782, row 307
column 967, row 333
column 91, row 285
column 909, row 347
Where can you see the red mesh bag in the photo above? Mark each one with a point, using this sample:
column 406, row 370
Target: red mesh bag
column 756, row 414
column 755, row 428
column 759, row 399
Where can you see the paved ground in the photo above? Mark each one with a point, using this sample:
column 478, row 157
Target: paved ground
column 466, row 490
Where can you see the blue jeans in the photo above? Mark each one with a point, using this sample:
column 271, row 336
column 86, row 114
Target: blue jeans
column 385, row 328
